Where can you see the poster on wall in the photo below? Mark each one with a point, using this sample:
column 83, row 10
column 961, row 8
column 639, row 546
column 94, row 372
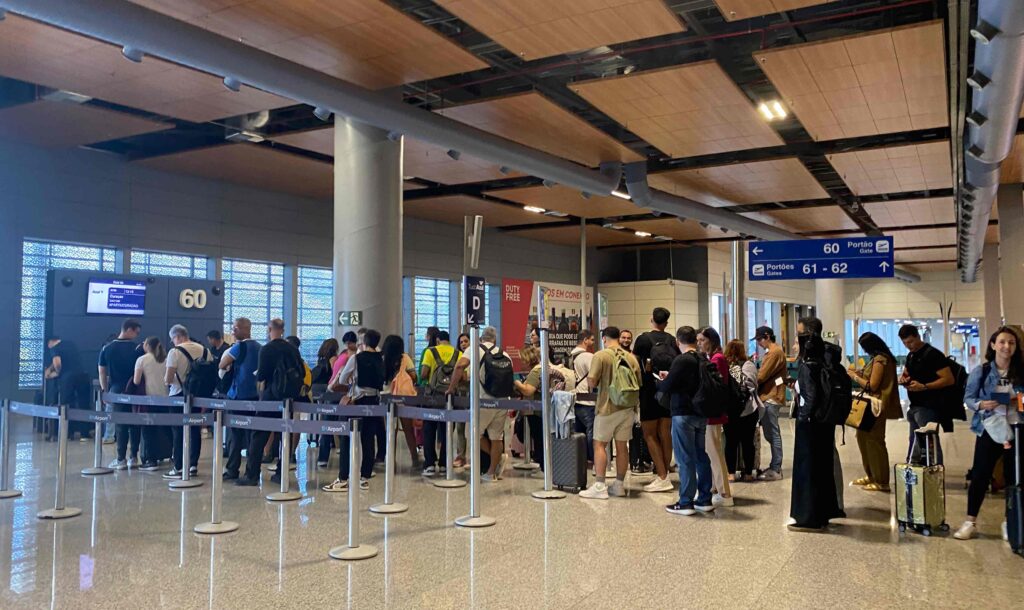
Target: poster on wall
column 562, row 313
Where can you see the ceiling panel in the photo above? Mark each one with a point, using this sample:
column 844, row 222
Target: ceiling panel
column 931, row 254
column 882, row 82
column 684, row 111
column 807, row 220
column 258, row 167
column 452, row 210
column 741, row 183
column 596, row 236
column 63, row 124
column 55, row 58
column 686, row 230
column 895, row 169
column 564, row 199
column 923, row 237
column 1012, row 170
column 938, row 210
column 367, row 42
column 929, row 267
column 533, row 120
column 734, row 10
column 540, row 28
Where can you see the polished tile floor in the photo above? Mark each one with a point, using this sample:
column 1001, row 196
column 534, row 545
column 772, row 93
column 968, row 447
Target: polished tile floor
column 133, row 547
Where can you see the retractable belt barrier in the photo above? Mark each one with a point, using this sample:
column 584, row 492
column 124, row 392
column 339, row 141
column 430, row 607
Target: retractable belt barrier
column 502, row 404
column 142, row 419
column 60, row 413
column 341, row 410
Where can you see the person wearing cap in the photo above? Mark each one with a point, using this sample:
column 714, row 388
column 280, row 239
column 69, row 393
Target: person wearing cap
column 771, row 387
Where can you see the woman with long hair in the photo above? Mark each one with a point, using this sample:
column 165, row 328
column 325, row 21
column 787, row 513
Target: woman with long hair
column 990, row 390
column 326, row 356
column 879, row 380
column 709, row 342
column 150, row 369
column 400, row 379
column 739, row 434
column 529, row 389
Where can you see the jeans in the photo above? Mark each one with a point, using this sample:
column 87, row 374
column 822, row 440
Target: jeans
column 986, row 453
column 772, row 433
column 585, row 424
column 125, row 432
column 688, row 435
column 920, row 417
column 434, row 435
column 109, row 430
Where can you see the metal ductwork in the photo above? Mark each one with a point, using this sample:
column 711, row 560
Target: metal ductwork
column 644, row 196
column 997, row 82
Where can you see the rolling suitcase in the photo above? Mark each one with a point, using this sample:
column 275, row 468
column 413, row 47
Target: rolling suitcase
column 921, row 491
column 569, row 462
column 1015, row 497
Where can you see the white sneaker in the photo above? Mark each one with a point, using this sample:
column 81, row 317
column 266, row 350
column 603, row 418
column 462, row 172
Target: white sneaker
column 429, row 471
column 337, row 486
column 720, row 500
column 1006, row 535
column 967, row 531
column 364, row 484
column 487, row 478
column 658, row 485
column 118, row 465
column 617, row 489
column 133, row 463
column 597, row 491
column 705, row 508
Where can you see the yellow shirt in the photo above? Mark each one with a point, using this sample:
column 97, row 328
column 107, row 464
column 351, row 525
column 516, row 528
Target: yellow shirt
column 445, row 352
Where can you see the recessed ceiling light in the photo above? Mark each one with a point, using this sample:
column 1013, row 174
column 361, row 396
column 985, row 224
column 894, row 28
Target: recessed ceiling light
column 777, row 110
column 621, row 195
column 662, row 238
column 555, row 214
column 61, row 95
column 766, row 112
column 772, row 110
column 641, row 234
column 534, row 209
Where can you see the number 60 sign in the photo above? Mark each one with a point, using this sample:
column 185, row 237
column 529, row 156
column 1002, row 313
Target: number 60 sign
column 192, row 299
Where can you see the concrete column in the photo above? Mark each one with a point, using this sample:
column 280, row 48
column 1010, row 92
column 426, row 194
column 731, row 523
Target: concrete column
column 829, row 306
column 738, row 315
column 1011, row 251
column 993, row 292
column 368, row 225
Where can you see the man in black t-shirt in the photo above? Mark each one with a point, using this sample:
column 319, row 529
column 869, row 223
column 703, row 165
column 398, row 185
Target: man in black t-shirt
column 72, row 380
column 655, row 350
column 116, row 367
column 926, row 375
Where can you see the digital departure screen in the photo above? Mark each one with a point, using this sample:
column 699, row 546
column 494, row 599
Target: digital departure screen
column 117, row 297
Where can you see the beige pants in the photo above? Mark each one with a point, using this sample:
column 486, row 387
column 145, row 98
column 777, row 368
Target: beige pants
column 716, row 452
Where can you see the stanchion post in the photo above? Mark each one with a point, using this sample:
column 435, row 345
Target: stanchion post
column 186, row 482
column 59, row 511
column 474, row 518
column 215, row 525
column 527, row 462
column 5, row 452
column 548, row 493
column 449, row 481
column 285, row 464
column 389, row 506
column 97, row 467
column 353, row 550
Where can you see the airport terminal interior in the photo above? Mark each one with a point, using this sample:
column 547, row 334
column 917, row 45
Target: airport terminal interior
column 505, row 303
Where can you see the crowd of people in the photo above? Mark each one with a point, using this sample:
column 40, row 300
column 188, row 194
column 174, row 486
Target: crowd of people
column 664, row 391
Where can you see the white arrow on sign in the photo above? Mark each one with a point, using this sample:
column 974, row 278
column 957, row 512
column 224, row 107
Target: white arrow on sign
column 470, row 319
column 884, row 265
column 757, row 251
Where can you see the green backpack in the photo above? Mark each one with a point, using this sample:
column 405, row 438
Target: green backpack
column 624, row 390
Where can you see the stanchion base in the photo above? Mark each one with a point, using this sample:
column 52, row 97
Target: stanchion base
column 452, row 484
column 553, row 494
column 59, row 513
column 389, row 509
column 526, row 466
column 96, row 470
column 470, row 521
column 353, row 553
column 284, row 496
column 215, row 528
column 10, row 493
column 179, row 484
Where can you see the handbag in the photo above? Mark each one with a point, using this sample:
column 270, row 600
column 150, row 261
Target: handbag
column 402, row 385
column 864, row 412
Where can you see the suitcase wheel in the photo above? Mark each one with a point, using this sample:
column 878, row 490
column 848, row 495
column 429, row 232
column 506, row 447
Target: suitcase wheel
column 926, row 531
column 903, row 527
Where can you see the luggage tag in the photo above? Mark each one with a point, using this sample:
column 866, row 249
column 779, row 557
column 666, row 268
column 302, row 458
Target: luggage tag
column 778, row 381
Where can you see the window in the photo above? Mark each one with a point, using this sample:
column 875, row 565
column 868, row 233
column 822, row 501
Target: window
column 252, row 290
column 37, row 258
column 431, row 302
column 315, row 310
column 145, row 262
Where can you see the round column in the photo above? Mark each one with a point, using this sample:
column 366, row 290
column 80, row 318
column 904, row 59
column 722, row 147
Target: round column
column 830, row 306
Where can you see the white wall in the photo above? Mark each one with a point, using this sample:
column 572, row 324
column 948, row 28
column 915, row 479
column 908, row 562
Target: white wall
column 787, row 291
column 893, row 299
column 630, row 303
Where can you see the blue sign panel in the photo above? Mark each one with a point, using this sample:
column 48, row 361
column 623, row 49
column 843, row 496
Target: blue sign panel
column 815, row 259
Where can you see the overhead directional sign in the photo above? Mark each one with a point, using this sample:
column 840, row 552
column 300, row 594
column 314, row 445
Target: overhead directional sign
column 350, row 318
column 475, row 288
column 815, row 259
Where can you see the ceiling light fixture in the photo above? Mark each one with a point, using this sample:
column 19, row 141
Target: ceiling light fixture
column 324, row 114
column 60, row 95
column 777, row 110
column 555, row 214
column 534, row 209
column 641, row 233
column 133, row 54
column 612, row 225
column 233, row 83
column 244, row 136
column 621, row 195
column 772, row 110
column 662, row 238
column 454, row 154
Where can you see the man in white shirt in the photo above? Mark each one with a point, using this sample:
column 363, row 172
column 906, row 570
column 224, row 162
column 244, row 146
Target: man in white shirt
column 178, row 368
column 580, row 359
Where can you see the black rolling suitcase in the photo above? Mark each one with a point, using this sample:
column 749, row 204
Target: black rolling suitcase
column 1015, row 497
column 569, row 462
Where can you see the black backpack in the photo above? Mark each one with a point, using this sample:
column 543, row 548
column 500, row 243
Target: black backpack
column 739, row 395
column 321, row 373
column 497, row 373
column 954, row 399
column 286, row 379
column 442, row 373
column 370, row 370
column 201, row 381
column 663, row 352
column 228, row 380
column 713, row 394
column 836, row 389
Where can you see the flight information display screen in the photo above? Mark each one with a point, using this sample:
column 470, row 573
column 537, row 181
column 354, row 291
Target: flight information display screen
column 117, row 297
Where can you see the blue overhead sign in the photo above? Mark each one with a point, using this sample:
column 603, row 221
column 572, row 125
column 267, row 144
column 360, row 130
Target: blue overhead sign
column 816, row 259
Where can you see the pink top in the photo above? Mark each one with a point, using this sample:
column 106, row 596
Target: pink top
column 723, row 369
column 339, row 363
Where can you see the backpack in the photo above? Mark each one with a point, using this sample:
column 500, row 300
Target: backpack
column 442, row 373
column 321, row 373
column 228, row 380
column 201, row 380
column 497, row 373
column 836, row 389
column 954, row 394
column 624, row 389
column 287, row 379
column 370, row 370
column 663, row 352
column 713, row 394
column 739, row 393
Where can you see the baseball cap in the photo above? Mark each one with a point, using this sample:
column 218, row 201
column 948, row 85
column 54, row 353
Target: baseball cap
column 762, row 331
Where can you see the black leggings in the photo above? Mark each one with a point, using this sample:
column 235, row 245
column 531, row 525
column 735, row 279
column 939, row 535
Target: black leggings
column 986, row 454
column 739, row 436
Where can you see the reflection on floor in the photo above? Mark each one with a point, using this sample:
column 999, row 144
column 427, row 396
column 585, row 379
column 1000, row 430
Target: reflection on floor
column 133, row 546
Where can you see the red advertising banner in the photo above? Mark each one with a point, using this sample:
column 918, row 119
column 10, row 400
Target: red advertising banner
column 563, row 316
column 516, row 320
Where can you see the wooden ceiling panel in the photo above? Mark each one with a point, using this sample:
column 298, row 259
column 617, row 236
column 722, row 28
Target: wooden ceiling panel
column 454, row 208
column 807, row 220
column 938, row 210
column 1012, row 170
column 534, row 29
column 930, row 267
column 895, row 169
column 923, row 256
column 923, row 237
column 64, row 125
column 259, row 167
column 742, row 183
column 568, row 201
column 734, row 10
column 596, row 236
column 367, row 42
column 684, row 111
column 533, row 120
column 59, row 59
column 882, row 82
column 685, row 230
